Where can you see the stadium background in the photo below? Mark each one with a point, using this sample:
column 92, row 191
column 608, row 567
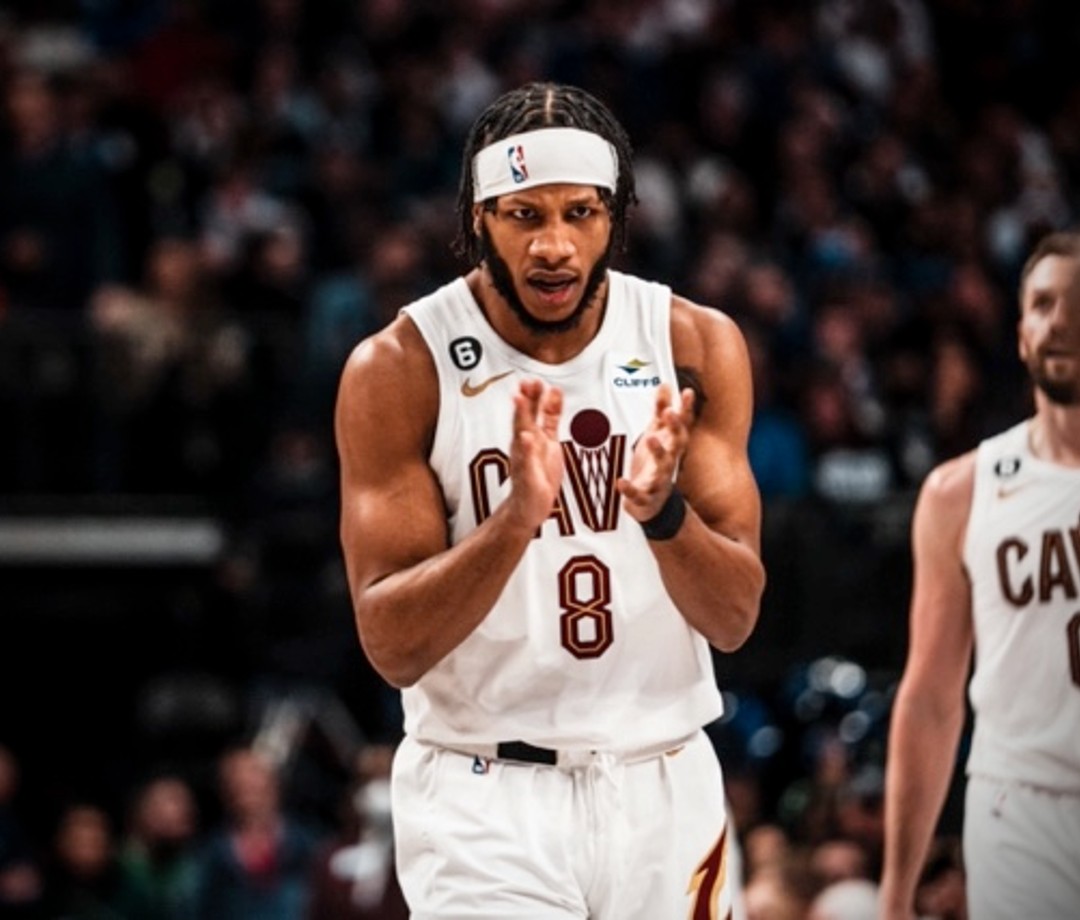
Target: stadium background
column 204, row 205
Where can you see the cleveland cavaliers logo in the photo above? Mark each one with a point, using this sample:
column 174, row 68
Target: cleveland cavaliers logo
column 594, row 461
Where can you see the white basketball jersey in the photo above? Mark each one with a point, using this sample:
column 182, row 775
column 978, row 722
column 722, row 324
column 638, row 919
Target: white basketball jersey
column 1022, row 552
column 583, row 649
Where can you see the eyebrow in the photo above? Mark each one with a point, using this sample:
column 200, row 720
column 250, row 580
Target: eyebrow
column 588, row 195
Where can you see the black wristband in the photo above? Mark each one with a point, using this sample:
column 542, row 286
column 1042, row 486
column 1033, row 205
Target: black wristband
column 668, row 520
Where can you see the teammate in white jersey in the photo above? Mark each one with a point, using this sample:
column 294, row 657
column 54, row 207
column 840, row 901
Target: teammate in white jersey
column 548, row 517
column 996, row 541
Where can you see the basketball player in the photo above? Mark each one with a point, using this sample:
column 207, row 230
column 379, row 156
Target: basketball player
column 996, row 541
column 548, row 516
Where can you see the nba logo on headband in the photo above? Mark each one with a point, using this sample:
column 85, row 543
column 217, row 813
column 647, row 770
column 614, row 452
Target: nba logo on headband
column 518, row 170
column 556, row 155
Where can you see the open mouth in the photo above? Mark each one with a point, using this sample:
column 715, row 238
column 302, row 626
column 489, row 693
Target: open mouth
column 552, row 285
column 554, row 292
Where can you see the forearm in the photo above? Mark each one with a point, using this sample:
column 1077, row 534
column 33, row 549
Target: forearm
column 411, row 619
column 716, row 582
column 923, row 741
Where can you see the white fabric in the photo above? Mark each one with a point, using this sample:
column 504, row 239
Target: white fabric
column 608, row 841
column 555, row 663
column 1022, row 553
column 544, row 157
column 1021, row 852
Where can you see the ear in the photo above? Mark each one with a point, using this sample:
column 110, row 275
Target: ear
column 1021, row 343
column 477, row 217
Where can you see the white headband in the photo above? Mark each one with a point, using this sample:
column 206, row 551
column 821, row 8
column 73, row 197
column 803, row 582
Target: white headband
column 544, row 157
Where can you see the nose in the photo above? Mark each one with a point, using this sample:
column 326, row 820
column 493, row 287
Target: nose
column 1065, row 309
column 552, row 243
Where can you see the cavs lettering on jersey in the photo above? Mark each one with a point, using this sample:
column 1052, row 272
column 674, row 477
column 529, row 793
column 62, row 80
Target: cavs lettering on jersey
column 1022, row 552
column 583, row 649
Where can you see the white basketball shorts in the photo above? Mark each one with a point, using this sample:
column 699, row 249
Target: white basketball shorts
column 608, row 839
column 1021, row 852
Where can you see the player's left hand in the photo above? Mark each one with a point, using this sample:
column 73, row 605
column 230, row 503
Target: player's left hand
column 657, row 454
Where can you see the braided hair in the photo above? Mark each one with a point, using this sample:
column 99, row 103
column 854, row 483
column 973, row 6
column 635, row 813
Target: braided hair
column 529, row 108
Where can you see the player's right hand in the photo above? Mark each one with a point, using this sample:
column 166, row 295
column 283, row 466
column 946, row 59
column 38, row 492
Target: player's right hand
column 536, row 455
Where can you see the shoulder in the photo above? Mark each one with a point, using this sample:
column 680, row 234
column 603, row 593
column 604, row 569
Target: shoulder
column 388, row 368
column 951, row 483
column 394, row 353
column 701, row 335
column 944, row 502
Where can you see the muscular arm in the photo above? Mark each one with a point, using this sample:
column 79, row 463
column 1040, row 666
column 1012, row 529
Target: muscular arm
column 928, row 713
column 415, row 597
column 712, row 568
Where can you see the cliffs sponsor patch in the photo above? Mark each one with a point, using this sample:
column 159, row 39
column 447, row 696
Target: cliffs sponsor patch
column 632, row 376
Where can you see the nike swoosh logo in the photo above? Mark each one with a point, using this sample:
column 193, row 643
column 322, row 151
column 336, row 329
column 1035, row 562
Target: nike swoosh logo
column 1006, row 491
column 467, row 389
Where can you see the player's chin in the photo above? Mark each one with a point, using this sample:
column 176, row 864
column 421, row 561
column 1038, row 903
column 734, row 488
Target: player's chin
column 1061, row 392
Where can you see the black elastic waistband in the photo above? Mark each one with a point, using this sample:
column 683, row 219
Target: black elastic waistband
column 526, row 753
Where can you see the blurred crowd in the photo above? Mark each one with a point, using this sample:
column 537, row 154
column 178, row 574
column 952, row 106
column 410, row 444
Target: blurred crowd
column 235, row 837
column 215, row 201
column 203, row 206
column 227, row 844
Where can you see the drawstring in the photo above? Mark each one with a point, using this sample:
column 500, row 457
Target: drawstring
column 603, row 777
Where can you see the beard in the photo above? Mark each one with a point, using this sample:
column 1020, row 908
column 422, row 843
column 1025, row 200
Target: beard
column 503, row 280
column 1061, row 392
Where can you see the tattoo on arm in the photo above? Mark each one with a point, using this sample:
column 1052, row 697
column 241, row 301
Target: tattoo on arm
column 689, row 377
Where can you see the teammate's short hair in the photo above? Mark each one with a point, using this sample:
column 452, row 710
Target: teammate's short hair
column 1059, row 243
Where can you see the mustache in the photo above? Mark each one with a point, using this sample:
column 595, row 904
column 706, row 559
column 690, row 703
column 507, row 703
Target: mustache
column 503, row 280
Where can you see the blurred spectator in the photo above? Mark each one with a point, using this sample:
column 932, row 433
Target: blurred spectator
column 861, row 814
column 769, row 298
column 781, row 891
column 941, row 892
column 82, row 875
column 181, row 45
column 745, row 804
column 765, row 846
column 848, row 463
column 809, row 806
column 207, row 123
column 848, row 899
column 778, row 450
column 180, row 388
column 283, row 577
column 60, row 236
column 20, row 874
column 286, row 116
column 268, row 294
column 956, row 400
column 157, row 866
column 235, row 209
column 256, row 862
column 905, row 368
column 837, row 858
column 337, row 200
column 354, row 876
column 390, row 271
